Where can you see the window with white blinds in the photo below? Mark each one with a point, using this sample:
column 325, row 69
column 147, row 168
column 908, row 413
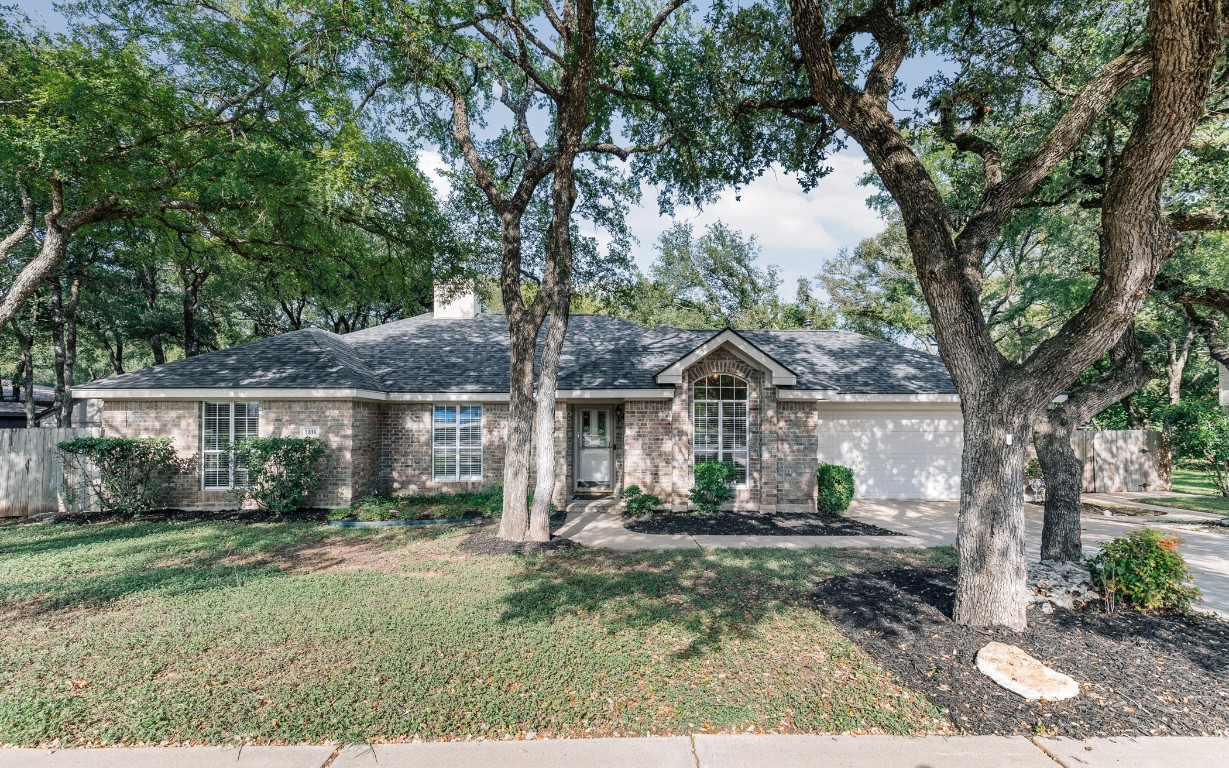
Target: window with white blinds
column 456, row 451
column 719, row 421
column 222, row 426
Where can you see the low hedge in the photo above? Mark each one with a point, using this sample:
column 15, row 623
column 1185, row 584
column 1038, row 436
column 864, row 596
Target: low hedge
column 128, row 476
column 281, row 471
column 835, row 488
column 637, row 502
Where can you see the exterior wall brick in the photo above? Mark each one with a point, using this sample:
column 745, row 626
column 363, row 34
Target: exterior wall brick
column 181, row 421
column 405, row 448
column 647, row 447
column 386, row 447
column 792, row 482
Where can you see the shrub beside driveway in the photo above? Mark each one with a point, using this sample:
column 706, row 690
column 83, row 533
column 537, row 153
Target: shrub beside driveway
column 220, row 633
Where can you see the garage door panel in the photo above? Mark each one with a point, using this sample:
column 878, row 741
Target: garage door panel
column 896, row 453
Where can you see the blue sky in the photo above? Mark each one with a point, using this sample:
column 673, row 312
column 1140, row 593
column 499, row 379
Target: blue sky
column 798, row 231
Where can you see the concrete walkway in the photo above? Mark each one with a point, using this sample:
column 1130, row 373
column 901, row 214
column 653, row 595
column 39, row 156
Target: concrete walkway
column 702, row 751
column 933, row 524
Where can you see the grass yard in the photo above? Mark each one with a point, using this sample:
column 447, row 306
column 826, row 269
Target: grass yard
column 1190, row 481
column 220, row 633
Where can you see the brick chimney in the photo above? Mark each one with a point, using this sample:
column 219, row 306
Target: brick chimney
column 456, row 300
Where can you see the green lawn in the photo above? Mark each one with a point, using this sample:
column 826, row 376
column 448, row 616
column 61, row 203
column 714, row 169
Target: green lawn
column 1190, row 481
column 226, row 633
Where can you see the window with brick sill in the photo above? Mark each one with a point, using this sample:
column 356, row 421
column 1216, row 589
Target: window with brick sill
column 223, row 424
column 456, row 443
column 720, row 422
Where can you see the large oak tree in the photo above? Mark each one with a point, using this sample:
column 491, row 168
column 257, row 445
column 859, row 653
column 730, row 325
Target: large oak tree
column 833, row 70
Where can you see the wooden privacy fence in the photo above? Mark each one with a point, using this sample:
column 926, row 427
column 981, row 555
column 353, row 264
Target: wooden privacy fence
column 1123, row 460
column 32, row 472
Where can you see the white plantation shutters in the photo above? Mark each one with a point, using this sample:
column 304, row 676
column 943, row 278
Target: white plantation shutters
column 222, row 426
column 719, row 421
column 456, row 452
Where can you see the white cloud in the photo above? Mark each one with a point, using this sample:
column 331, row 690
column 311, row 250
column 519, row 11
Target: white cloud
column 432, row 164
column 796, row 230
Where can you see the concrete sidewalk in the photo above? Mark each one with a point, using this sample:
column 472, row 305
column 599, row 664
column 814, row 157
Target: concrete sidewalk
column 702, row 751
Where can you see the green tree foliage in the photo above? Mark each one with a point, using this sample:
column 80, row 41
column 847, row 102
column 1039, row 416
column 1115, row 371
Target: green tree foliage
column 1201, row 439
column 713, row 281
column 234, row 185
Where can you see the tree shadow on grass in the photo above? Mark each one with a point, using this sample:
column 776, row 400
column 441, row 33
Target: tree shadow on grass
column 77, row 566
column 710, row 595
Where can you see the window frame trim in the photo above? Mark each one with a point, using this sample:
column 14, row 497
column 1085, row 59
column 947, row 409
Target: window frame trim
column 746, row 482
column 456, row 447
column 230, row 451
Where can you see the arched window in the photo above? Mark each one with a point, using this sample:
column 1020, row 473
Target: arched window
column 719, row 421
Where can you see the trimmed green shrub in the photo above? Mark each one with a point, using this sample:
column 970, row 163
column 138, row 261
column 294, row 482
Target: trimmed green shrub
column 835, row 488
column 712, row 486
column 281, row 471
column 128, row 476
column 1144, row 570
column 640, row 503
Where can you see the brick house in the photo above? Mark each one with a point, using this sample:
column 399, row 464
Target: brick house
column 421, row 405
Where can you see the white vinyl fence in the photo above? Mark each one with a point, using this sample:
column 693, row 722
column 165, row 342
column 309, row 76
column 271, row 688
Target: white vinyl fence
column 32, row 473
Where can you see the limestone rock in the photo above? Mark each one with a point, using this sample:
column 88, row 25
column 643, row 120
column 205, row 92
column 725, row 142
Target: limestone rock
column 1060, row 585
column 1023, row 675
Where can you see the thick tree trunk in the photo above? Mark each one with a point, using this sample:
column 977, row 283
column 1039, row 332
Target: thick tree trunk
column 1064, row 476
column 1063, row 470
column 57, row 346
column 990, row 532
column 149, row 284
column 544, row 423
column 70, row 350
column 193, row 279
column 115, row 352
column 64, row 345
column 58, row 227
column 514, row 525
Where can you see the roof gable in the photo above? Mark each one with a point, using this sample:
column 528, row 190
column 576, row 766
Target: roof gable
column 781, row 375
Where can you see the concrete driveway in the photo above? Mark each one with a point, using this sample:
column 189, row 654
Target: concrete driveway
column 1207, row 553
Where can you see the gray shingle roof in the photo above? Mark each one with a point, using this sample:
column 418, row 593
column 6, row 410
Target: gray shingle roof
column 307, row 358
column 425, row 354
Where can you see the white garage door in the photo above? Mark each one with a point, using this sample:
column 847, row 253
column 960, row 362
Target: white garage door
column 897, row 450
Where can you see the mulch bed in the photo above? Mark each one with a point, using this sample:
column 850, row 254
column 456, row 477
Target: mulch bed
column 485, row 542
column 753, row 524
column 1139, row 675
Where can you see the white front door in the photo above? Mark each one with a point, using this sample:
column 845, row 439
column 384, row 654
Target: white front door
column 594, row 465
